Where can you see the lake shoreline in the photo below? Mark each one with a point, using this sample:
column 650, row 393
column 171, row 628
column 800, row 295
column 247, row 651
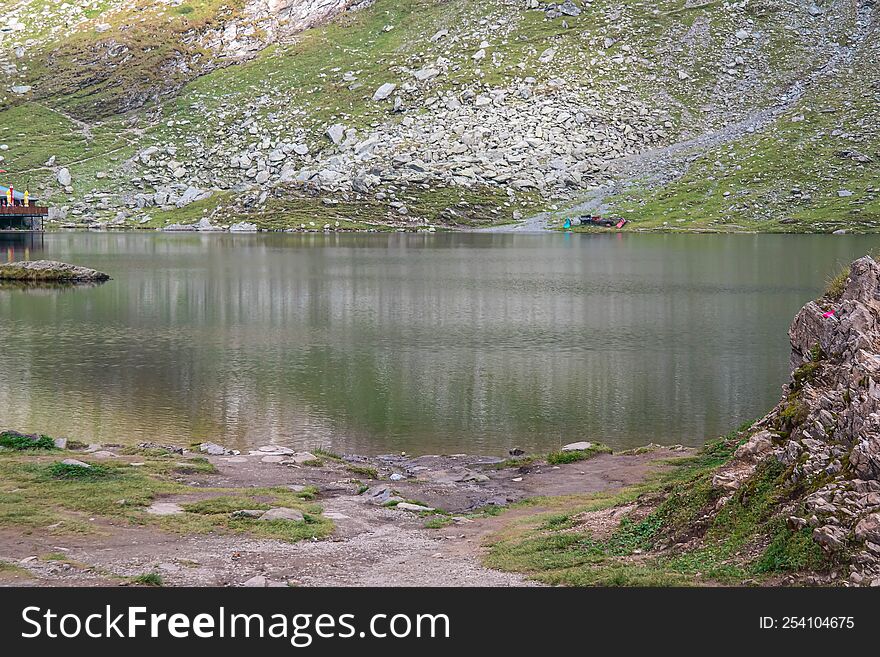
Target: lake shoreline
column 391, row 520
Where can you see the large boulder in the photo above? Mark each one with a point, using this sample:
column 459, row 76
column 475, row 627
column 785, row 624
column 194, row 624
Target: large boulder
column 384, row 91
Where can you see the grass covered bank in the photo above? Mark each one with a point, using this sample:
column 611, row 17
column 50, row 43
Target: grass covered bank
column 666, row 532
column 72, row 491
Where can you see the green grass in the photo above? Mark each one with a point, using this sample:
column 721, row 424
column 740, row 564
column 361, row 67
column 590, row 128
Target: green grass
column 83, row 76
column 294, row 207
column 148, row 579
column 551, row 548
column 164, row 89
column 12, row 571
column 327, row 454
column 516, row 462
column 226, row 504
column 553, row 458
column 18, row 441
column 786, row 178
column 836, row 284
column 38, row 493
column 72, row 471
column 437, row 522
column 363, row 470
column 791, row 551
column 572, row 456
column 214, row 514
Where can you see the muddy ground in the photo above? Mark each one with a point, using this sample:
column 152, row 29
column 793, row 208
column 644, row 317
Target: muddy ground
column 371, row 545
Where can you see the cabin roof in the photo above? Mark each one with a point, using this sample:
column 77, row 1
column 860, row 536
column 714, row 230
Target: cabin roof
column 18, row 195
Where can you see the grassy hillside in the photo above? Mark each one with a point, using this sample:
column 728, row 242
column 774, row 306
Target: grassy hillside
column 207, row 81
column 813, row 170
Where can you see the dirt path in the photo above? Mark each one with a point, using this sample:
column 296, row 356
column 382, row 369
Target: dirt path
column 371, row 545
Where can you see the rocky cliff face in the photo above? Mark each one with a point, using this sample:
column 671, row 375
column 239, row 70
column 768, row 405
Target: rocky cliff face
column 826, row 429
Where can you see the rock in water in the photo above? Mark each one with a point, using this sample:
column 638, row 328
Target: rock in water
column 48, row 271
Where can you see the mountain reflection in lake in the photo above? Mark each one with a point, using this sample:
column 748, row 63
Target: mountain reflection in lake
column 424, row 343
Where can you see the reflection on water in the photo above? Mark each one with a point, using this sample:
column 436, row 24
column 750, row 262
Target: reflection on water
column 424, row 343
column 20, row 246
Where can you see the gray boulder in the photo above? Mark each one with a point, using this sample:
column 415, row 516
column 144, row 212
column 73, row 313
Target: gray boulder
column 283, row 513
column 384, row 91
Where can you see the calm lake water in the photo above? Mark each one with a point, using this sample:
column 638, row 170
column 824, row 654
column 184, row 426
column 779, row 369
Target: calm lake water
column 424, row 343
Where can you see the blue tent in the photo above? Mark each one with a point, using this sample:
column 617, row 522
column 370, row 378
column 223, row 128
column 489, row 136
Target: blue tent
column 18, row 195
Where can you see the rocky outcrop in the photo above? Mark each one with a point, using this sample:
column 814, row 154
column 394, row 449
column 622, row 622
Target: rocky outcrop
column 262, row 22
column 48, row 271
column 826, row 429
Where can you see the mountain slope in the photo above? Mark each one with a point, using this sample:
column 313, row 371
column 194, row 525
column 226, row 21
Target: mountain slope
column 406, row 113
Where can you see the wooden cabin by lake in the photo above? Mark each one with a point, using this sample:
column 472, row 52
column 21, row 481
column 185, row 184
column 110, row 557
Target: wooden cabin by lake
column 18, row 216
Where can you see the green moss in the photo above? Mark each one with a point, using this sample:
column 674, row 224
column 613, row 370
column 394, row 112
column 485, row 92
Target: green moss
column 793, row 414
column 806, row 373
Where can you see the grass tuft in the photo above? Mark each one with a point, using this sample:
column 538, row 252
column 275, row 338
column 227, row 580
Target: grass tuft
column 836, row 284
column 148, row 579
column 71, row 471
column 558, row 458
